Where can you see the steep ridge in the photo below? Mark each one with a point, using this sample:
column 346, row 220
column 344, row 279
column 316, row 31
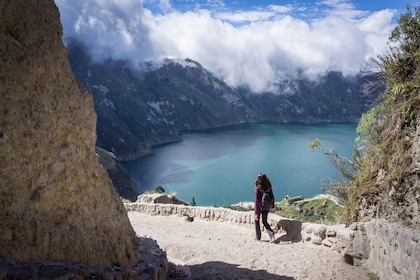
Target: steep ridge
column 142, row 106
column 56, row 201
column 139, row 107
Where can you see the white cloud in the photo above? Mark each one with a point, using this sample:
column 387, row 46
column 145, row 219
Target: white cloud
column 254, row 48
column 377, row 22
column 165, row 5
column 281, row 9
column 245, row 16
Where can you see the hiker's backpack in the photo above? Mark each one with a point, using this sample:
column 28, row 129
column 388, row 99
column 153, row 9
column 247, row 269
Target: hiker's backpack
column 267, row 201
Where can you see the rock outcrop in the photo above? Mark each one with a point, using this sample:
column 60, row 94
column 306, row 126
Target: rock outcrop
column 121, row 179
column 56, row 201
column 398, row 198
column 160, row 198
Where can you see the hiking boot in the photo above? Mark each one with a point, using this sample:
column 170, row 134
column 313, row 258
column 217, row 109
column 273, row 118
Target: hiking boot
column 271, row 234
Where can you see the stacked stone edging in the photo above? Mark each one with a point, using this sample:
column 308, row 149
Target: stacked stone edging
column 390, row 250
column 218, row 214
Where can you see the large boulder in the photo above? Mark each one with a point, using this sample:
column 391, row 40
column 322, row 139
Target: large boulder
column 56, row 200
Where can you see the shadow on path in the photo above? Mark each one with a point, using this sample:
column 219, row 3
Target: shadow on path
column 225, row 271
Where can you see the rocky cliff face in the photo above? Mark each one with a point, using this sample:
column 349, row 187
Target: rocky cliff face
column 56, row 201
column 121, row 179
column 398, row 197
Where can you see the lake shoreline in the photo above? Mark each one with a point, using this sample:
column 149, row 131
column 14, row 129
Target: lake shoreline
column 219, row 167
column 247, row 204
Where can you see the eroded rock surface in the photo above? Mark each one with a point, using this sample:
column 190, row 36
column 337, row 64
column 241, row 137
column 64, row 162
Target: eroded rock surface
column 56, row 200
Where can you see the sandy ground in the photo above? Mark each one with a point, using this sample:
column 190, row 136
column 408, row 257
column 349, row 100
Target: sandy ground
column 215, row 250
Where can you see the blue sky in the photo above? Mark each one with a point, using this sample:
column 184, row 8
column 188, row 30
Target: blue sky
column 249, row 5
column 308, row 10
column 253, row 43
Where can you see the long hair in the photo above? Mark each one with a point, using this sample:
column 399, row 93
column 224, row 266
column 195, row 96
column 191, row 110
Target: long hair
column 263, row 182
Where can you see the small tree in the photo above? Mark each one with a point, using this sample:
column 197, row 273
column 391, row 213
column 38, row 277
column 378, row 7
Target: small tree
column 314, row 144
column 159, row 189
column 347, row 168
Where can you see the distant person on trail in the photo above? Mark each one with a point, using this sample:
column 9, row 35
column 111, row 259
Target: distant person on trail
column 264, row 202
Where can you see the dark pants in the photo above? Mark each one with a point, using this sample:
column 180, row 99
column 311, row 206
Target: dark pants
column 264, row 215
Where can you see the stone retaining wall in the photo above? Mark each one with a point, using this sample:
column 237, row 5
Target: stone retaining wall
column 195, row 212
column 394, row 250
column 391, row 251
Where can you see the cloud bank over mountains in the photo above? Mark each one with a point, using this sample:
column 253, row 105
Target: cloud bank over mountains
column 255, row 47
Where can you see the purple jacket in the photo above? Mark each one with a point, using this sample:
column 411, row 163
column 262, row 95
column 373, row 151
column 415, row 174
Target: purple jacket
column 257, row 204
column 258, row 198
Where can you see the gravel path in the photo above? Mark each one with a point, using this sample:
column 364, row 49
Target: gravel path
column 216, row 250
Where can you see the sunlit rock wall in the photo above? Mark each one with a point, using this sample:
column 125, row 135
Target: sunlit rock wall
column 56, row 200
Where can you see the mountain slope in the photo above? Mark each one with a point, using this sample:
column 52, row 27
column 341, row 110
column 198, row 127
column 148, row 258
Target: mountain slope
column 138, row 109
column 332, row 98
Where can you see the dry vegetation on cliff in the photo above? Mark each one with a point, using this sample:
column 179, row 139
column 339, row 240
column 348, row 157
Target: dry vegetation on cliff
column 387, row 185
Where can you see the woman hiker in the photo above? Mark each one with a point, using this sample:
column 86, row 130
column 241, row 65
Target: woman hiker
column 264, row 202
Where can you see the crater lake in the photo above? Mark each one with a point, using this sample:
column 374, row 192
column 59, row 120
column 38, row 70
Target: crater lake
column 218, row 167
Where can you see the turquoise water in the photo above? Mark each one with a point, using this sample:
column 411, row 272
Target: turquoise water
column 219, row 167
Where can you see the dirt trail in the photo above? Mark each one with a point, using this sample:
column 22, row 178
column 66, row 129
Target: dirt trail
column 216, row 250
